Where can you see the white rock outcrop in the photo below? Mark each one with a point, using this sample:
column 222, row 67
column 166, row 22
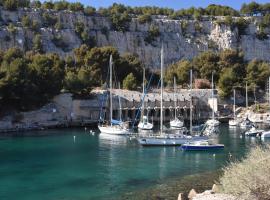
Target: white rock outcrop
column 179, row 41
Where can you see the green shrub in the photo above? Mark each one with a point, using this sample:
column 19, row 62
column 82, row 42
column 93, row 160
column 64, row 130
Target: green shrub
column 26, row 21
column 241, row 24
column 261, row 35
column 152, row 34
column 146, row 18
column 37, row 44
column 48, row 5
column 89, row 11
column 61, row 5
column 120, row 22
column 35, row 26
column 184, row 26
column 130, row 82
column 249, row 178
column 198, row 27
column 77, row 6
column 12, row 29
column 58, row 24
column 10, row 5
column 49, row 20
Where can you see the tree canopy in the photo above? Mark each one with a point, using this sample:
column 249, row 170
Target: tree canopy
column 229, row 68
column 31, row 79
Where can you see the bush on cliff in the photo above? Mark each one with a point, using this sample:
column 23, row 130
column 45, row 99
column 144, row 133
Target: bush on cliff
column 146, row 18
column 129, row 82
column 249, row 178
column 152, row 34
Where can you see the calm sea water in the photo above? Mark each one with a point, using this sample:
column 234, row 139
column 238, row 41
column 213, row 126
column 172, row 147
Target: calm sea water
column 56, row 166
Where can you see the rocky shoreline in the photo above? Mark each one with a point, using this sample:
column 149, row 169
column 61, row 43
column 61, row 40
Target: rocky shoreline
column 170, row 188
column 213, row 194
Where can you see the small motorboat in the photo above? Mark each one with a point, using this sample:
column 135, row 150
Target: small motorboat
column 265, row 134
column 253, row 132
column 145, row 125
column 212, row 122
column 176, row 123
column 201, row 146
column 246, row 123
column 234, row 122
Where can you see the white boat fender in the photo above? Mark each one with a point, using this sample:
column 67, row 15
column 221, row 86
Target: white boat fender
column 74, row 138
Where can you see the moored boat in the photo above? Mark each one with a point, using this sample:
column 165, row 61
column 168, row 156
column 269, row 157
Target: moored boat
column 234, row 121
column 253, row 132
column 176, row 123
column 265, row 134
column 246, row 123
column 201, row 146
column 144, row 123
column 114, row 127
column 212, row 121
column 169, row 140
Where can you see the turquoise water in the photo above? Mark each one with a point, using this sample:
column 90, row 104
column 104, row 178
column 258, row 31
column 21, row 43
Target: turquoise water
column 56, row 166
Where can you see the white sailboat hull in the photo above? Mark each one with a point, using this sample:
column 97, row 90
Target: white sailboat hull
column 169, row 141
column 176, row 123
column 245, row 124
column 233, row 122
column 265, row 134
column 212, row 122
column 113, row 130
column 253, row 132
column 145, row 126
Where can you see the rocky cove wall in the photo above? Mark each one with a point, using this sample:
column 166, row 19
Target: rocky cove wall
column 178, row 43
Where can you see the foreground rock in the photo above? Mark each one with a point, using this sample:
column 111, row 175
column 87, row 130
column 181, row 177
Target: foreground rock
column 212, row 194
column 217, row 196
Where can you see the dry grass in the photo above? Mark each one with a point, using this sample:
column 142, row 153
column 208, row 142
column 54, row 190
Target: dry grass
column 249, row 178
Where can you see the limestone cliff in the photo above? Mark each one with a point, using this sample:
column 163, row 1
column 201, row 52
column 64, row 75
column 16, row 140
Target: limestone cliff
column 179, row 41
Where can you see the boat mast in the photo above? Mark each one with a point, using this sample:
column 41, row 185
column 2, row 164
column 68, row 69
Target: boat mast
column 213, row 112
column 120, row 105
column 190, row 110
column 234, row 104
column 269, row 90
column 174, row 96
column 111, row 112
column 246, row 96
column 142, row 109
column 161, row 89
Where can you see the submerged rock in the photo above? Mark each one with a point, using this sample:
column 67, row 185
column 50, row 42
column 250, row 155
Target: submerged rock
column 192, row 194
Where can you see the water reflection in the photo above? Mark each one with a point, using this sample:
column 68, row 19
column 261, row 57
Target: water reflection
column 112, row 140
column 103, row 166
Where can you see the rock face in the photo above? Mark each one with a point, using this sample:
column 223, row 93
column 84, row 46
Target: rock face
column 179, row 41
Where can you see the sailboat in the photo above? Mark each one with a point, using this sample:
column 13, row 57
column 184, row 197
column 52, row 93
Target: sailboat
column 164, row 139
column 234, row 121
column 213, row 121
column 176, row 123
column 246, row 123
column 144, row 123
column 115, row 127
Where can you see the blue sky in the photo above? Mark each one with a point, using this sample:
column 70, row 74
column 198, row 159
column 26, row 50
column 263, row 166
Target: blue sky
column 176, row 4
